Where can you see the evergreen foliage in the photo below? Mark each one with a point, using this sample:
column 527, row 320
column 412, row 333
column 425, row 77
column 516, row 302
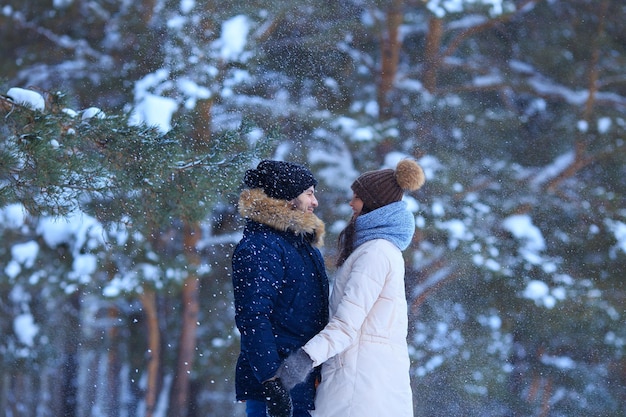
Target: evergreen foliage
column 54, row 163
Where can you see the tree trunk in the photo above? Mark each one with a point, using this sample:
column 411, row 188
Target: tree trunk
column 581, row 156
column 179, row 398
column 201, row 134
column 431, row 53
column 69, row 392
column 112, row 405
column 147, row 9
column 390, row 56
column 148, row 300
column 202, row 124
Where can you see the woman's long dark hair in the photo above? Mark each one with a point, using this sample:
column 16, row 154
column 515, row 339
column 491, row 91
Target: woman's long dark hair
column 345, row 241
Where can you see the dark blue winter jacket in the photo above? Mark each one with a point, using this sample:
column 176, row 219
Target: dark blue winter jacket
column 280, row 289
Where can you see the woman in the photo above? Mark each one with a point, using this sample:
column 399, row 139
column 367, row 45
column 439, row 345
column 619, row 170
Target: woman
column 363, row 347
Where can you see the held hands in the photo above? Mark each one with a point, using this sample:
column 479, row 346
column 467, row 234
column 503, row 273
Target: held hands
column 295, row 369
column 277, row 399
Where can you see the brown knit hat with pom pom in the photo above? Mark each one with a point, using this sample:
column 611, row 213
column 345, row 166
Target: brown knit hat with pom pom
column 385, row 186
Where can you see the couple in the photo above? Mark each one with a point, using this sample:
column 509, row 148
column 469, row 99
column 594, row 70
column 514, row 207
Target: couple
column 288, row 327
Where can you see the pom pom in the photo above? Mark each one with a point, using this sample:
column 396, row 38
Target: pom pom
column 409, row 175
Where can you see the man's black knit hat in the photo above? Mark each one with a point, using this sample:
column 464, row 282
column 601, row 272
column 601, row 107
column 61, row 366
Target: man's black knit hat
column 280, row 180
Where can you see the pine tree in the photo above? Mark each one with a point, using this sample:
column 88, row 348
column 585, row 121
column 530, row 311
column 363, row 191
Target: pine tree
column 55, row 162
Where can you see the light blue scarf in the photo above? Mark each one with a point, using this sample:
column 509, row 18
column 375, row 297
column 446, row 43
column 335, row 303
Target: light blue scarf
column 392, row 222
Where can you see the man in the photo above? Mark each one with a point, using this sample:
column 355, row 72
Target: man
column 280, row 285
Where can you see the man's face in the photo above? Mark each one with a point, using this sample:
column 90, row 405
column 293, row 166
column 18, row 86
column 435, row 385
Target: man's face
column 306, row 201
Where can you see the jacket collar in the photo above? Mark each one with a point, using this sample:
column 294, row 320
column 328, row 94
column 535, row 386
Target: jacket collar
column 255, row 205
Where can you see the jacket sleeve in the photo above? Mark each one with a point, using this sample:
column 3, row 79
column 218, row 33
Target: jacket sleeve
column 257, row 277
column 364, row 284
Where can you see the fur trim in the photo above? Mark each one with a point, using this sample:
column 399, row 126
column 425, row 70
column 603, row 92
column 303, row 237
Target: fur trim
column 255, row 205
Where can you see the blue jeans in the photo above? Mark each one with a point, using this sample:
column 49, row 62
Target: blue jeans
column 257, row 409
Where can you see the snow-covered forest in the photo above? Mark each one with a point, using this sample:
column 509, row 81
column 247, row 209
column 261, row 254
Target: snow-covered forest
column 126, row 128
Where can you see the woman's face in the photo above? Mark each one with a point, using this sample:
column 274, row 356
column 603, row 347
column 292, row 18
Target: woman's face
column 357, row 205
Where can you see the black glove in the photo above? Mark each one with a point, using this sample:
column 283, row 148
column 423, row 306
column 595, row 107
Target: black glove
column 295, row 369
column 277, row 399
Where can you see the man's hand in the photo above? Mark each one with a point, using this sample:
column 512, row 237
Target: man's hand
column 295, row 369
column 277, row 399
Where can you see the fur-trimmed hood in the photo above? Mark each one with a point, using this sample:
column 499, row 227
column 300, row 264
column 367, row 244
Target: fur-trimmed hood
column 255, row 205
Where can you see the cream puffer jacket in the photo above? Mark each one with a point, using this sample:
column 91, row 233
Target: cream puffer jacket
column 363, row 348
